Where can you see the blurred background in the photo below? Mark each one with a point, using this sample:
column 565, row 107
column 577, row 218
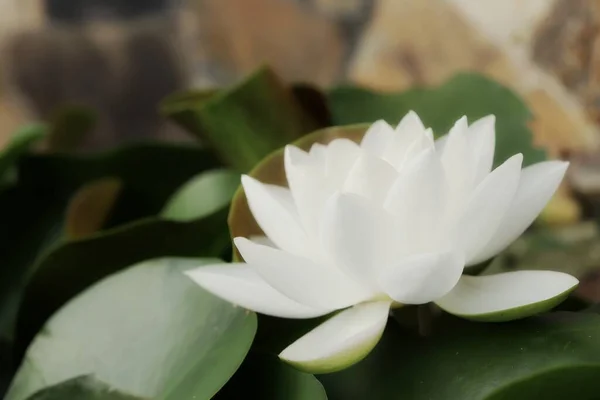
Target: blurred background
column 122, row 57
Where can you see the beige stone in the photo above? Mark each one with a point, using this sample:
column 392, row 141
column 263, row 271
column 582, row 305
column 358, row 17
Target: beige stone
column 425, row 42
column 299, row 44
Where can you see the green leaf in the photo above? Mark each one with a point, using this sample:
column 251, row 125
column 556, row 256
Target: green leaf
column 33, row 211
column 81, row 388
column 466, row 94
column 150, row 173
column 556, row 356
column 19, row 143
column 246, row 122
column 148, row 330
column 266, row 378
column 201, row 195
column 188, row 229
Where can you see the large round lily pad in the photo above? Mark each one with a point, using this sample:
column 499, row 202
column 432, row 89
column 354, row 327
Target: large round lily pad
column 148, row 331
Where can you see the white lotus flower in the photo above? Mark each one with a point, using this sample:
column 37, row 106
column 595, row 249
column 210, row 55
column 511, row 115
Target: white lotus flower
column 391, row 221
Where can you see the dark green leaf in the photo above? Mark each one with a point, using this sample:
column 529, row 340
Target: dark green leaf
column 556, row 356
column 201, row 195
column 187, row 229
column 150, row 173
column 19, row 143
column 81, row 388
column 267, row 378
column 466, row 94
column 148, row 330
column 247, row 122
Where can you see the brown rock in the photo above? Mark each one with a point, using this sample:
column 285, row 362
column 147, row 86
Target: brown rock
column 237, row 36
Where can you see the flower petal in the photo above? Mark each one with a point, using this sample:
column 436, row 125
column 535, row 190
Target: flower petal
column 409, row 130
column 370, row 177
column 487, row 206
column 357, row 235
column 377, row 138
column 440, row 143
column 482, row 140
column 417, row 198
column 422, row 278
column 341, row 341
column 458, row 160
column 273, row 209
column 536, row 187
column 262, row 239
column 301, row 279
column 307, row 186
column 507, row 296
column 341, row 156
column 239, row 284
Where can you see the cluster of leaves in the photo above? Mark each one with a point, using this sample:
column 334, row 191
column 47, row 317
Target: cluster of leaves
column 94, row 305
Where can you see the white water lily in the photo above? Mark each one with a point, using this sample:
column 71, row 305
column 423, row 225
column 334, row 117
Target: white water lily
column 392, row 221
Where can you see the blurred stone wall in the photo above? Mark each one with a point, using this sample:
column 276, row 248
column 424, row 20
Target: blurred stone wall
column 122, row 57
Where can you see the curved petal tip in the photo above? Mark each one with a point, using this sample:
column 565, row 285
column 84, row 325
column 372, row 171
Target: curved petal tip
column 508, row 296
column 341, row 341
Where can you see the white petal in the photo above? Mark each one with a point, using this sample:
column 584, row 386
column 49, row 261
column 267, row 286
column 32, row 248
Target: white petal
column 341, row 341
column 458, row 162
column 536, row 186
column 410, row 125
column 261, row 239
column 341, row 156
column 300, row 279
column 241, row 285
column 307, row 185
column 417, row 198
column 487, row 206
column 318, row 153
column 507, row 296
column 274, row 211
column 370, row 177
column 440, row 144
column 409, row 130
column 377, row 138
column 357, row 235
column 422, row 278
column 482, row 141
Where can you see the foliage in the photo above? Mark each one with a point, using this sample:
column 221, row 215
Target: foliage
column 94, row 304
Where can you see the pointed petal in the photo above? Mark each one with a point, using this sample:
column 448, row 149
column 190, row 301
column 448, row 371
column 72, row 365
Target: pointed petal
column 440, row 144
column 482, row 141
column 357, row 235
column 417, row 198
column 422, row 278
column 341, row 156
column 318, row 153
column 457, row 160
column 537, row 185
column 409, row 130
column 377, row 138
column 241, row 285
column 410, row 124
column 341, row 341
column 261, row 239
column 307, row 186
column 508, row 296
column 370, row 177
column 487, row 206
column 274, row 211
column 301, row 279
